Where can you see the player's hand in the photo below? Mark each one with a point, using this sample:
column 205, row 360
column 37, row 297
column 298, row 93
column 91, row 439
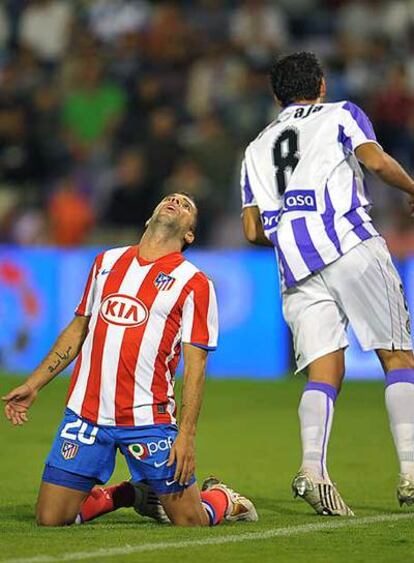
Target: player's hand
column 18, row 401
column 183, row 454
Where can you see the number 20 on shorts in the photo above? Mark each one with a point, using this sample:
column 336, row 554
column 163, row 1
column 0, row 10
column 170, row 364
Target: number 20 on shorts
column 85, row 434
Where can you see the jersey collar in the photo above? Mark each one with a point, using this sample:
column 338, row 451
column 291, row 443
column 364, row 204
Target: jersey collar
column 166, row 257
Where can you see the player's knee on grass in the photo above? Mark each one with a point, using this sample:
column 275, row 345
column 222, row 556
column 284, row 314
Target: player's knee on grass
column 58, row 505
column 185, row 508
column 396, row 359
column 49, row 517
column 189, row 519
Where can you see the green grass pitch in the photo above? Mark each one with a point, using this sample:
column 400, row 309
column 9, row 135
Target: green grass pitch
column 248, row 436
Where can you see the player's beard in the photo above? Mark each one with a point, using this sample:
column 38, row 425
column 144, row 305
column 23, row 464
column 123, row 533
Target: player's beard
column 165, row 227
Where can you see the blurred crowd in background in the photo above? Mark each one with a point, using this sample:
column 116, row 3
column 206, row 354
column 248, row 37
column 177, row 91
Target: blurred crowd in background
column 107, row 105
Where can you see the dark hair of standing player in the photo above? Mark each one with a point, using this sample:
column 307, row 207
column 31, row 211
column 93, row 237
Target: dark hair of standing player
column 296, row 77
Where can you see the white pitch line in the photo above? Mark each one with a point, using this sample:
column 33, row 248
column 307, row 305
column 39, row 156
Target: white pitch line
column 217, row 540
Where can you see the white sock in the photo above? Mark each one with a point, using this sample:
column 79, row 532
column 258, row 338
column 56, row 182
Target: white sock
column 399, row 400
column 316, row 413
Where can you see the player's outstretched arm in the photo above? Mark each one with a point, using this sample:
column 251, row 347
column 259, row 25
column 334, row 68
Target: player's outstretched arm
column 183, row 449
column 65, row 349
column 253, row 228
column 387, row 168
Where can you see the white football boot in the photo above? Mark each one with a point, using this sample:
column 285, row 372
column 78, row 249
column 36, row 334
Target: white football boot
column 239, row 507
column 148, row 504
column 405, row 490
column 323, row 496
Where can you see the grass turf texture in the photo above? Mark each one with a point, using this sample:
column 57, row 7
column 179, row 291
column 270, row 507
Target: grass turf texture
column 248, row 435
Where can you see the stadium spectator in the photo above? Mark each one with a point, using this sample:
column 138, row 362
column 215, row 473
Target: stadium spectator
column 260, row 29
column 250, row 108
column 132, row 197
column 170, row 39
column 393, row 111
column 50, row 150
column 110, row 19
column 145, row 97
column 215, row 151
column 17, row 163
column 92, row 110
column 70, row 215
column 209, row 20
column 361, row 19
column 214, row 81
column 161, row 147
column 4, row 30
column 126, row 62
column 45, row 27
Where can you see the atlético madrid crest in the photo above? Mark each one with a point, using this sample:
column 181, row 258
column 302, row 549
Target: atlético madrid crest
column 69, row 450
column 163, row 282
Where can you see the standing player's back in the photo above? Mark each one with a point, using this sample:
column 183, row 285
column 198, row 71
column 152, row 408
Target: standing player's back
column 302, row 173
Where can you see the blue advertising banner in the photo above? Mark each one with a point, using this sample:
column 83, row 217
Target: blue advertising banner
column 40, row 288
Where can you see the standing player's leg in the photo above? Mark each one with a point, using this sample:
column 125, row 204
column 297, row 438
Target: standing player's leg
column 318, row 326
column 369, row 290
column 316, row 411
column 399, row 399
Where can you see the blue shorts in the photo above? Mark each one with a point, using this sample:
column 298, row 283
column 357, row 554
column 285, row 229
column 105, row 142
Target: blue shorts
column 83, row 454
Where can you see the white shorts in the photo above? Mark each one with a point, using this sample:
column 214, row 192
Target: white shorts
column 362, row 288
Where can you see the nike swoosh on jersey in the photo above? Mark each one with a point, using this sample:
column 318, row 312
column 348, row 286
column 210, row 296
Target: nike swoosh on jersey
column 105, row 272
column 160, row 464
column 168, row 483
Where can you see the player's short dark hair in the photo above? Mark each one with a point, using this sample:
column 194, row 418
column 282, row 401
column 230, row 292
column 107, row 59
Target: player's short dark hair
column 296, row 77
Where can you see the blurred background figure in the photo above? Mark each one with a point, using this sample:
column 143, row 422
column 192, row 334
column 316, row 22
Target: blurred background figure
column 45, row 28
column 70, row 216
column 131, row 202
column 128, row 97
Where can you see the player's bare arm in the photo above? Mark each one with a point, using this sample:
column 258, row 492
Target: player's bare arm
column 387, row 168
column 183, row 449
column 64, row 350
column 253, row 227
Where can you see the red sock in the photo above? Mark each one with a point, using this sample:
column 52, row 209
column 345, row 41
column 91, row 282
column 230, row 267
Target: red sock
column 103, row 500
column 215, row 502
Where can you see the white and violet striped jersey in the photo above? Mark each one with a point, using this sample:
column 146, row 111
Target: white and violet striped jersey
column 302, row 174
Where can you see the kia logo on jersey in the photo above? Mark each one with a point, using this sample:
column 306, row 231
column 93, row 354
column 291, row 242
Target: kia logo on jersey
column 123, row 310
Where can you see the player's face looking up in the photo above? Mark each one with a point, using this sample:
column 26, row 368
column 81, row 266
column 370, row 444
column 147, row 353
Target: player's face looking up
column 178, row 212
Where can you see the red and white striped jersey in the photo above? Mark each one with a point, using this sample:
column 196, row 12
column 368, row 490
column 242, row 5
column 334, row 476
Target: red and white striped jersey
column 140, row 313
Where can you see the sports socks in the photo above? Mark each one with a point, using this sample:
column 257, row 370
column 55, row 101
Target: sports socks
column 103, row 500
column 399, row 400
column 215, row 503
column 107, row 499
column 316, row 411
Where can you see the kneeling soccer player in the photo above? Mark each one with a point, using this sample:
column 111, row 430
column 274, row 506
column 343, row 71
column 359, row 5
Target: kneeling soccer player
column 139, row 305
